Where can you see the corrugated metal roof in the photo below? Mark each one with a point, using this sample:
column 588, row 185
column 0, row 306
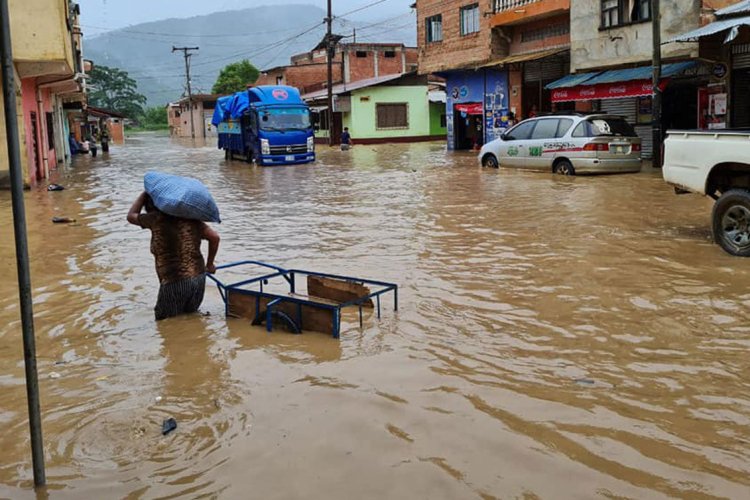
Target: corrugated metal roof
column 523, row 57
column 640, row 73
column 743, row 6
column 710, row 29
column 343, row 88
column 571, row 80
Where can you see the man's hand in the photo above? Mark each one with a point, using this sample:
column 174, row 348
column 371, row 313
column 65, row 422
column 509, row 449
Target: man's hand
column 211, row 268
column 135, row 210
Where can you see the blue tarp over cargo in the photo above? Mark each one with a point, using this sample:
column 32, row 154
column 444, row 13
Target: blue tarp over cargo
column 221, row 112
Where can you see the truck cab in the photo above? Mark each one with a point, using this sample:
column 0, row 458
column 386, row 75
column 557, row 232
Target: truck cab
column 268, row 124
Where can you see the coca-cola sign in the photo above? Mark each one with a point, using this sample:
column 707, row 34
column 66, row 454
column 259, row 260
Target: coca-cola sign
column 618, row 90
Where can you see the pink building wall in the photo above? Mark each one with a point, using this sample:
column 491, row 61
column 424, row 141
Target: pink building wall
column 30, row 105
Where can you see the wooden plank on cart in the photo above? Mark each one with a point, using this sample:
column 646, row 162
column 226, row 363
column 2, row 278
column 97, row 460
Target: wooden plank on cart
column 242, row 304
column 338, row 290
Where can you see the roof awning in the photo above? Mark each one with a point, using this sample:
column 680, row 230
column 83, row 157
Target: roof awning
column 619, row 90
column 712, row 29
column 523, row 57
column 471, row 108
column 614, row 84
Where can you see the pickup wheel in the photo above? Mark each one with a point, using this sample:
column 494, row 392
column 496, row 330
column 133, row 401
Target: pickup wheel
column 731, row 222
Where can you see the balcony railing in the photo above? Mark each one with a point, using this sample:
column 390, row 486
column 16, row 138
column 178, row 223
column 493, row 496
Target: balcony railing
column 503, row 5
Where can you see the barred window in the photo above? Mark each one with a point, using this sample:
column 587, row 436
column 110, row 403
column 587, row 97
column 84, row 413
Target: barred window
column 470, row 19
column 545, row 32
column 392, row 115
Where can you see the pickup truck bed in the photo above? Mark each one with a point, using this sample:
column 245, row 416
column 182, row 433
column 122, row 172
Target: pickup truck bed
column 715, row 163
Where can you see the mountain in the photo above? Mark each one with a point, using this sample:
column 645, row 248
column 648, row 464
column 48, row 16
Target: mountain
column 268, row 36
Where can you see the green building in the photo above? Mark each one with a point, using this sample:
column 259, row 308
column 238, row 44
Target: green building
column 394, row 108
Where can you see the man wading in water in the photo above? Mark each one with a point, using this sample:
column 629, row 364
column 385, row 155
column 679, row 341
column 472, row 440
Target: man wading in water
column 176, row 245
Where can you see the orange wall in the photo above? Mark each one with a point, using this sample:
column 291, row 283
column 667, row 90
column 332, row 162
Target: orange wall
column 525, row 13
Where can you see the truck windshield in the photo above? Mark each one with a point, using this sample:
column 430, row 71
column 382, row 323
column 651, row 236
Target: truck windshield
column 285, row 119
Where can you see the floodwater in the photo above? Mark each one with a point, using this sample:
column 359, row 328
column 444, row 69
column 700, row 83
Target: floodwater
column 556, row 338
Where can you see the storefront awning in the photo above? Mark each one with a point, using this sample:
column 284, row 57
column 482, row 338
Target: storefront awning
column 619, row 90
column 712, row 29
column 614, row 84
column 471, row 108
column 534, row 56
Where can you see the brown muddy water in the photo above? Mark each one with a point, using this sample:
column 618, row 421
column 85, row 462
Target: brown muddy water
column 557, row 338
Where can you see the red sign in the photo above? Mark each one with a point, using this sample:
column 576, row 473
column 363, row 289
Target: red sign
column 280, row 94
column 471, row 108
column 619, row 90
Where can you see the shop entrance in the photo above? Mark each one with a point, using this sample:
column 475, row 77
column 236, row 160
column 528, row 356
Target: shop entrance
column 468, row 125
column 680, row 107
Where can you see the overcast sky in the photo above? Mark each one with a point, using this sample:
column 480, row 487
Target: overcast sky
column 98, row 15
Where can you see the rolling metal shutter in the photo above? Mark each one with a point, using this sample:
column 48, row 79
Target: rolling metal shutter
column 741, row 56
column 628, row 109
column 545, row 69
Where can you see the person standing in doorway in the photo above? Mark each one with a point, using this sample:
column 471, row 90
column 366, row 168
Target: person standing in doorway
column 346, row 139
column 176, row 245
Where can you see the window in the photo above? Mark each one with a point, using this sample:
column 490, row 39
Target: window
column 582, row 130
column 641, row 10
column 546, row 129
column 545, row 32
column 361, row 54
column 469, row 19
column 279, row 80
column 611, row 127
column 434, row 28
column 392, row 115
column 522, row 131
column 620, row 12
column 610, row 13
column 390, row 54
column 563, row 127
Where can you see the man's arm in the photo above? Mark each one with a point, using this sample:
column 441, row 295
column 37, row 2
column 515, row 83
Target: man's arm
column 213, row 247
column 135, row 210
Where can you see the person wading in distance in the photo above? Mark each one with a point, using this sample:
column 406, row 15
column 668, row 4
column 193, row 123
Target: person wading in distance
column 176, row 245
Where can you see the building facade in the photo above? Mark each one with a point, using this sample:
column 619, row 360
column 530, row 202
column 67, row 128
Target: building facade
column 47, row 56
column 202, row 110
column 538, row 50
column 351, row 62
column 392, row 108
column 458, row 43
column 611, row 49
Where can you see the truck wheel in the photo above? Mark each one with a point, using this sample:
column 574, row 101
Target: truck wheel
column 490, row 161
column 731, row 222
column 564, row 167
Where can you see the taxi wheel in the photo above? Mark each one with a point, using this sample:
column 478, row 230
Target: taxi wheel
column 564, row 167
column 490, row 161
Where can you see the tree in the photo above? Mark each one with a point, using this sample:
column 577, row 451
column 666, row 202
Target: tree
column 154, row 118
column 236, row 77
column 113, row 89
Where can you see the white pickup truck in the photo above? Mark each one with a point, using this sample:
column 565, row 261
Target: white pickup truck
column 715, row 164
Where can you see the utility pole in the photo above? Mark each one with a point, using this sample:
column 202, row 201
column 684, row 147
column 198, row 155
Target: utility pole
column 330, row 48
column 22, row 246
column 657, row 97
column 186, row 53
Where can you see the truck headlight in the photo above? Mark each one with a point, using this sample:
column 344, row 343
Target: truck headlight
column 265, row 147
column 310, row 144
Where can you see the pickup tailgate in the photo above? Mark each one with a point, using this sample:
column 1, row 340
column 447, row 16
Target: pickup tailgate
column 687, row 159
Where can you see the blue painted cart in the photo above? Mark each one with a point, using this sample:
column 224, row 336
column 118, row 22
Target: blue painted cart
column 317, row 310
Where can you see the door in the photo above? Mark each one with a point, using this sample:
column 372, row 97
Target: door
column 542, row 139
column 338, row 127
column 38, row 168
column 514, row 146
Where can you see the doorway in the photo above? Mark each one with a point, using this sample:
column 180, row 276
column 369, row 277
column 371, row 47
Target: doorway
column 468, row 126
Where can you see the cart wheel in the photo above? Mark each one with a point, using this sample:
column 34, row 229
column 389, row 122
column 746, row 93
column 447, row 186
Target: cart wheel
column 280, row 318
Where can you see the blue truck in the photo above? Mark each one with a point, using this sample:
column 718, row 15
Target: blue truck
column 268, row 124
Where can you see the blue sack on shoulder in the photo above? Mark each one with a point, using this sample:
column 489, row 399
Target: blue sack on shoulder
column 181, row 197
